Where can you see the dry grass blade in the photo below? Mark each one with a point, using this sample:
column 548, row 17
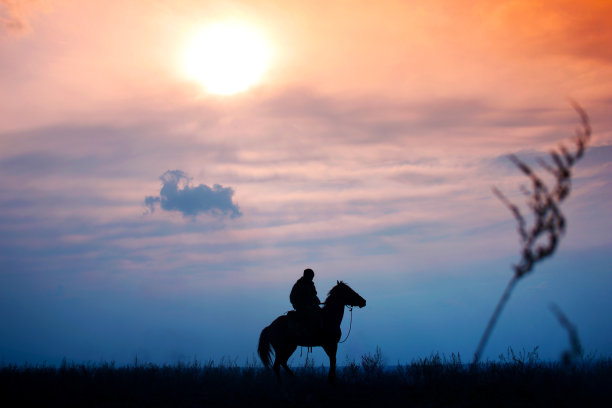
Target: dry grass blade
column 540, row 239
column 575, row 352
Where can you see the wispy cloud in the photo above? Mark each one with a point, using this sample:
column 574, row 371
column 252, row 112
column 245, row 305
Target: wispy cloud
column 177, row 195
column 14, row 14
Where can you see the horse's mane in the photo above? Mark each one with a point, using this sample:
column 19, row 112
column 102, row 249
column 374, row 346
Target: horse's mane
column 335, row 289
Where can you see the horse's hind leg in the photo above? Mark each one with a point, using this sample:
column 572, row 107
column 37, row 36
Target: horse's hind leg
column 276, row 367
column 282, row 354
column 280, row 359
column 285, row 358
column 287, row 368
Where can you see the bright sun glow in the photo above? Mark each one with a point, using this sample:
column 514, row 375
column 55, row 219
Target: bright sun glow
column 226, row 58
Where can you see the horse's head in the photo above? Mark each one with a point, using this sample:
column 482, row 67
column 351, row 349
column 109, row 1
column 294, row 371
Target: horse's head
column 347, row 296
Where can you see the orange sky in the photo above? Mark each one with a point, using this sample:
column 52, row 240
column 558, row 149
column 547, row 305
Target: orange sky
column 90, row 57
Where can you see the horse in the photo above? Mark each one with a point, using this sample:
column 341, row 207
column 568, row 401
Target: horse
column 284, row 335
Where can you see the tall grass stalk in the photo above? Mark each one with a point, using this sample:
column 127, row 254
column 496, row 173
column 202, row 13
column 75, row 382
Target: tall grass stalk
column 540, row 239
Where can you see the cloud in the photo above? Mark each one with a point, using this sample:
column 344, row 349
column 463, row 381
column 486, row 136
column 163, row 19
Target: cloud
column 177, row 195
column 14, row 14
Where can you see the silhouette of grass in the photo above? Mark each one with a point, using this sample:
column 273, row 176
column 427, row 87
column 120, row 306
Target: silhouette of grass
column 575, row 352
column 540, row 239
column 518, row 379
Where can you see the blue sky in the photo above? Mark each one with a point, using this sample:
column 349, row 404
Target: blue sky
column 142, row 216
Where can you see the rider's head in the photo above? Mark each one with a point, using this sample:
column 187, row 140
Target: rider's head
column 309, row 274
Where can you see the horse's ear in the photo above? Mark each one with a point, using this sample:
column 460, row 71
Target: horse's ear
column 338, row 282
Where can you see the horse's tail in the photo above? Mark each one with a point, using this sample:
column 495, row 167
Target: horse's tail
column 263, row 348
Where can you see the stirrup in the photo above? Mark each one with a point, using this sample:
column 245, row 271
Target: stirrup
column 308, row 350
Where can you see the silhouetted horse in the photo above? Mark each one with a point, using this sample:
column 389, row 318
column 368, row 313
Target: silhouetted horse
column 284, row 334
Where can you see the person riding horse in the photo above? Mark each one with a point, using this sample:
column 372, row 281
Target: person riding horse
column 286, row 333
column 305, row 301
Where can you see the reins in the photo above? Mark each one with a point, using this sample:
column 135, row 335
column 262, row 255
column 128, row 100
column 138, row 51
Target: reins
column 350, row 325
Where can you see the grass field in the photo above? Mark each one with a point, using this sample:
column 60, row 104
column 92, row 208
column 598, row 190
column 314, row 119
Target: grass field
column 517, row 379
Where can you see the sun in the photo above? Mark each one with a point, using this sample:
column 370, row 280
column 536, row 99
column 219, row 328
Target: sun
column 226, row 57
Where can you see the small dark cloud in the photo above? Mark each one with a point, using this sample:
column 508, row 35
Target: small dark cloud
column 177, row 195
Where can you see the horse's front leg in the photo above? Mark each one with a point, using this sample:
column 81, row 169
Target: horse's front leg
column 331, row 349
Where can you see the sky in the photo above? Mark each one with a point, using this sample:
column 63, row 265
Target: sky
column 144, row 217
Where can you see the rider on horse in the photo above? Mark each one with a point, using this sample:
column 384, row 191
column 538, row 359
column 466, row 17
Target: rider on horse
column 305, row 301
